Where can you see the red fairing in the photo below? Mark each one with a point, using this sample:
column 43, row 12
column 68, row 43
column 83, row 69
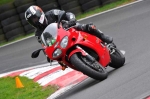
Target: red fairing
column 77, row 38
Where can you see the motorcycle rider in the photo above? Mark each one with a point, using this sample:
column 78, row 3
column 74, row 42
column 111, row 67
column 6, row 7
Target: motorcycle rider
column 36, row 17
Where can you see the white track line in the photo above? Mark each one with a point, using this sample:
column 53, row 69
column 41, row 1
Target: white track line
column 46, row 79
column 61, row 91
column 32, row 67
column 35, row 72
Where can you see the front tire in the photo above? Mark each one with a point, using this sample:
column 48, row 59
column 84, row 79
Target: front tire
column 79, row 64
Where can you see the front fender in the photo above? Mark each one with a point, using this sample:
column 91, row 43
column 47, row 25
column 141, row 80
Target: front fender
column 78, row 49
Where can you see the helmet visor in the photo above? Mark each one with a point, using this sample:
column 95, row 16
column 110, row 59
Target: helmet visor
column 33, row 20
column 38, row 21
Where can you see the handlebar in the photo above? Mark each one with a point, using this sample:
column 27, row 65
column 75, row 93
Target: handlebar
column 65, row 25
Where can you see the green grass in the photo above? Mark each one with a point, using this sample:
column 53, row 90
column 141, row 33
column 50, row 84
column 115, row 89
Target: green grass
column 5, row 1
column 31, row 90
column 104, row 8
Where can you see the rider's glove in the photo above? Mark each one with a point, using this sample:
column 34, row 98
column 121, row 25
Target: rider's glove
column 90, row 27
column 72, row 23
column 65, row 24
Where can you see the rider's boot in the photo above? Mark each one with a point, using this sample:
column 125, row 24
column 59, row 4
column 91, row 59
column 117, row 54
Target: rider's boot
column 103, row 37
column 92, row 29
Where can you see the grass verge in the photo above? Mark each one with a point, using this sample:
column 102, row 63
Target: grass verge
column 5, row 1
column 105, row 7
column 31, row 90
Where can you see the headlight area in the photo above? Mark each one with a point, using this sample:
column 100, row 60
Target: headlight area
column 57, row 53
column 64, row 42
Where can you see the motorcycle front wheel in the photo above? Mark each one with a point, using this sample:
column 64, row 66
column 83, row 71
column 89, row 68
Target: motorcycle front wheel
column 78, row 61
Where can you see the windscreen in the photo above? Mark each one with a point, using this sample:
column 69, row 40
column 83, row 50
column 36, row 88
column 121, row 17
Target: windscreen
column 49, row 35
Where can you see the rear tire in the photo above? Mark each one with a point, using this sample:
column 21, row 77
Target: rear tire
column 78, row 63
column 117, row 59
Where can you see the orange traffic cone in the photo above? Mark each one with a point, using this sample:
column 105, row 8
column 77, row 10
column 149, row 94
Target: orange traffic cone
column 18, row 83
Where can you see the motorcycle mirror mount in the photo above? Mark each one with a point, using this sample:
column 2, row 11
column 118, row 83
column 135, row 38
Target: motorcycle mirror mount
column 36, row 53
column 60, row 17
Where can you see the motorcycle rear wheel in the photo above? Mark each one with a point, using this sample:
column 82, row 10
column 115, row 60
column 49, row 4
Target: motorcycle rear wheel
column 117, row 59
column 79, row 64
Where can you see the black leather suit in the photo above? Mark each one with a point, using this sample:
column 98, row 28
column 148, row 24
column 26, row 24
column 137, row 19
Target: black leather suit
column 52, row 16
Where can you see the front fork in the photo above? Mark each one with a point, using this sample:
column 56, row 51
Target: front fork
column 83, row 52
column 88, row 57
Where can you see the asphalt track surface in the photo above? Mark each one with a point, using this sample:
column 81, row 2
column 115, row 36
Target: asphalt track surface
column 130, row 28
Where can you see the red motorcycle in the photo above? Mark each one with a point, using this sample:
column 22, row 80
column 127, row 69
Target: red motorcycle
column 79, row 50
